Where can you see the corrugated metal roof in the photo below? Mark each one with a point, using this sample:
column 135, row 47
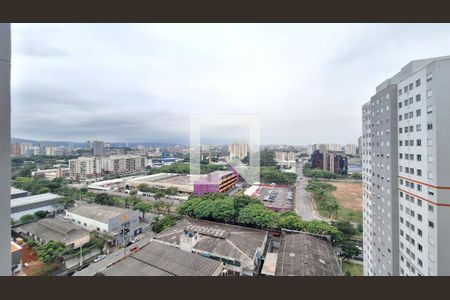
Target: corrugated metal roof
column 157, row 259
column 33, row 199
column 302, row 254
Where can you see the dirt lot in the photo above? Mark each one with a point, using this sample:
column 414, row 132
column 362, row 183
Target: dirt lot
column 30, row 257
column 349, row 195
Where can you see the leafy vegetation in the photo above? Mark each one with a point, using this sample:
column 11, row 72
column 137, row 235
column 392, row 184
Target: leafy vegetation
column 27, row 218
column 318, row 173
column 352, row 269
column 159, row 224
column 50, row 252
column 38, row 185
column 244, row 210
column 273, row 175
column 356, row 176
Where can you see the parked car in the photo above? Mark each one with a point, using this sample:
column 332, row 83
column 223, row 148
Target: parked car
column 134, row 248
column 99, row 258
column 83, row 267
column 358, row 257
column 135, row 240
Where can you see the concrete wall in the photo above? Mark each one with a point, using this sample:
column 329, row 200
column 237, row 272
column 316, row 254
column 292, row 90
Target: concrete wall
column 5, row 139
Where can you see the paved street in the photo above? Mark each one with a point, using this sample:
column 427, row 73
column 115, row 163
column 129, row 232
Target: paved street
column 111, row 258
column 303, row 201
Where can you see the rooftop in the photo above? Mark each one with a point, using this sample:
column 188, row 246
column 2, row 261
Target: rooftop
column 15, row 191
column 55, row 229
column 101, row 213
column 223, row 240
column 33, row 199
column 157, row 259
column 303, row 254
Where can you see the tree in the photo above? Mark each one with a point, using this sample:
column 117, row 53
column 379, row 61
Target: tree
column 143, row 207
column 347, row 229
column 158, row 225
column 159, row 195
column 290, row 220
column 158, row 205
column 40, row 214
column 51, row 251
column 98, row 243
column 256, row 215
column 145, row 188
column 356, row 176
column 349, row 248
column 267, row 158
column 26, row 218
column 172, row 190
column 103, row 199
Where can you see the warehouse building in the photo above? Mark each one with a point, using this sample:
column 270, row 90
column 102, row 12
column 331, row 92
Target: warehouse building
column 302, row 254
column 31, row 204
column 106, row 219
column 157, row 259
column 239, row 248
column 17, row 193
column 55, row 229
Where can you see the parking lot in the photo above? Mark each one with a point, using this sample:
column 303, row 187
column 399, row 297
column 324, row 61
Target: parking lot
column 279, row 198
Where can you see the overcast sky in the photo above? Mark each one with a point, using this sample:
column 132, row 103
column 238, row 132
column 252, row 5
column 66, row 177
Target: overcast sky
column 141, row 82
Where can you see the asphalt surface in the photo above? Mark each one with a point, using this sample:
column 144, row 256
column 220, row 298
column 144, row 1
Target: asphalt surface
column 303, row 202
column 95, row 267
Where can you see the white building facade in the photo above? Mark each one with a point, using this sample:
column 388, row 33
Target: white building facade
column 421, row 186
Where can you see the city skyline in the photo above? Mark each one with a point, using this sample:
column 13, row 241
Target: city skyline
column 136, row 83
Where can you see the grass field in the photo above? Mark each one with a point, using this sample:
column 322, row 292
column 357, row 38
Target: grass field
column 352, row 269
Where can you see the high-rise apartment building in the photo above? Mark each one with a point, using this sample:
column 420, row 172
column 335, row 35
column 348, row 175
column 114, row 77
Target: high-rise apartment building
column 123, row 164
column 238, row 150
column 84, row 168
column 99, row 148
column 406, row 172
column 5, row 140
column 350, row 149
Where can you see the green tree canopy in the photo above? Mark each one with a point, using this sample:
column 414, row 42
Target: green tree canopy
column 51, row 251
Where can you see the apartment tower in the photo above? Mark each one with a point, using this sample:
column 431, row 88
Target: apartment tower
column 5, row 159
column 406, row 172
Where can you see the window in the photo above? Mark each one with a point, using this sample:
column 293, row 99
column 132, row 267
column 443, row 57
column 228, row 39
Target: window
column 411, row 86
column 406, row 129
column 430, row 126
column 417, row 97
column 399, row 105
column 430, row 208
column 400, row 117
column 405, row 89
column 419, row 157
column 411, row 114
column 400, row 130
column 400, row 92
column 411, row 100
column 429, row 109
column 419, row 187
column 418, row 113
column 429, row 93
column 417, row 82
column 418, row 127
column 430, row 224
column 419, row 142
column 400, row 143
column 401, row 155
column 429, row 76
column 419, row 172
column 419, row 202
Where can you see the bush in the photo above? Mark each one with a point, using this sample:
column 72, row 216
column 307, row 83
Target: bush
column 26, row 218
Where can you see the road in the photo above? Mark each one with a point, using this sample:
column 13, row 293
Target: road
column 303, row 201
column 94, row 268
